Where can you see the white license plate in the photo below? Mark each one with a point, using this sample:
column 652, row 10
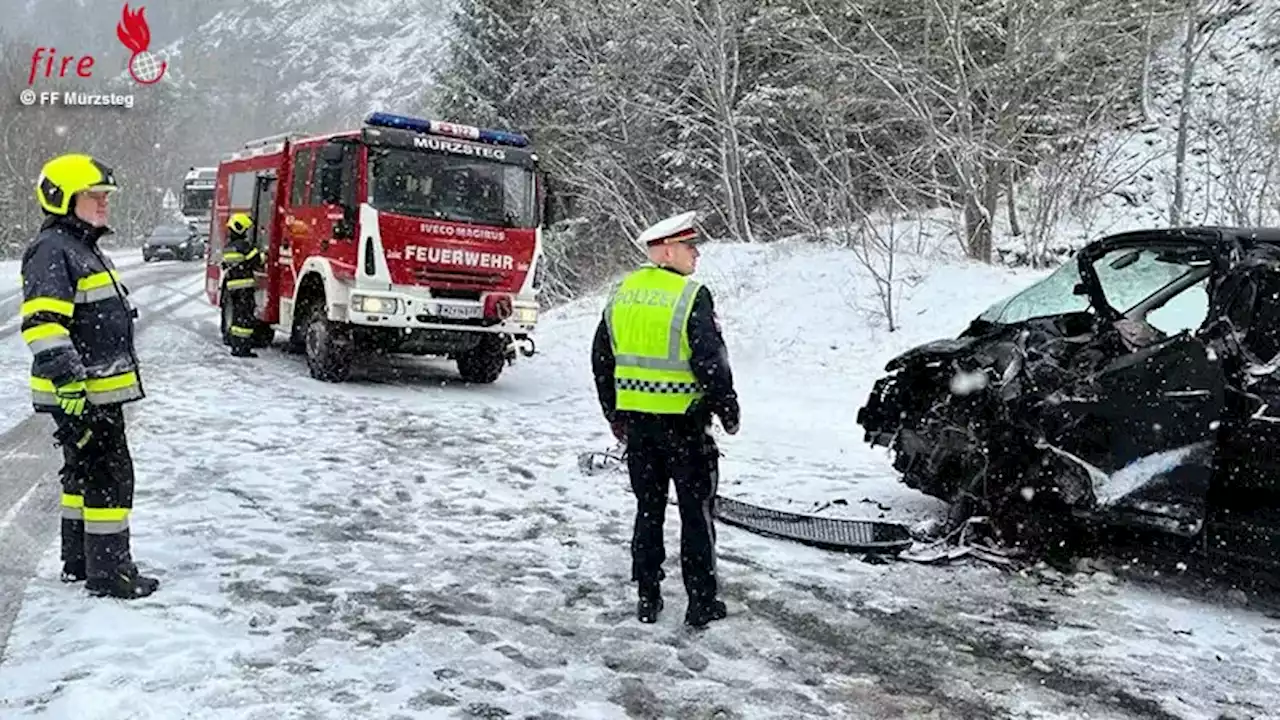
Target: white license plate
column 461, row 312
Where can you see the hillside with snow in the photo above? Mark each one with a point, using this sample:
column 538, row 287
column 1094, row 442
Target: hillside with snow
column 1125, row 179
column 322, row 64
column 239, row 69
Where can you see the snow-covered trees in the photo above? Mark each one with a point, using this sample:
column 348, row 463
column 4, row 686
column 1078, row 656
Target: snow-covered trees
column 764, row 113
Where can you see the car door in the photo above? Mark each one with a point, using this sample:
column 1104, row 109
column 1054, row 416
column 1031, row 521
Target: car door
column 1145, row 418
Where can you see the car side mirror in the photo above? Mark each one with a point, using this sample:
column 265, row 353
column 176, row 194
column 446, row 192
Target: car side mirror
column 1080, row 289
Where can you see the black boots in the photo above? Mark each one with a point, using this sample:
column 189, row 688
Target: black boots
column 650, row 603
column 73, row 572
column 243, row 352
column 125, row 584
column 697, row 615
column 702, row 613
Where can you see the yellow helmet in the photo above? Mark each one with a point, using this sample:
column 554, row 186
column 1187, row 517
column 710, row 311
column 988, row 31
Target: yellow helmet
column 66, row 175
column 239, row 223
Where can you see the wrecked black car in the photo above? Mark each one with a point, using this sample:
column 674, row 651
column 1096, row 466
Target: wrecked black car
column 1136, row 387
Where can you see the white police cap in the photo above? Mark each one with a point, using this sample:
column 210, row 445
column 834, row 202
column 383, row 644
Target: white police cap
column 677, row 228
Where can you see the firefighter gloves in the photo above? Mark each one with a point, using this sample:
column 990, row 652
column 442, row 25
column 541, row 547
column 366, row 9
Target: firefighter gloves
column 71, row 398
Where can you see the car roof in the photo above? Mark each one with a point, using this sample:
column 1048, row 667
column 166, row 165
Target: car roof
column 1268, row 235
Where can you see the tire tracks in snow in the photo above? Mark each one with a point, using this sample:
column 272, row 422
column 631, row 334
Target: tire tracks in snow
column 30, row 497
column 917, row 655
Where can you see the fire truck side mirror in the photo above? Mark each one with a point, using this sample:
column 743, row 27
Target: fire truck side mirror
column 329, row 173
column 330, row 184
column 548, row 207
column 331, row 154
column 346, row 227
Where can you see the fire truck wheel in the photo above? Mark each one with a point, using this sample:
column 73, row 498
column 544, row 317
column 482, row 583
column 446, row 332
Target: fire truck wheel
column 328, row 346
column 483, row 364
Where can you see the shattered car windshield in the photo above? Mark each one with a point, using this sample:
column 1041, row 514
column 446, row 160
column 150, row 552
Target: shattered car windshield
column 1128, row 277
column 1051, row 296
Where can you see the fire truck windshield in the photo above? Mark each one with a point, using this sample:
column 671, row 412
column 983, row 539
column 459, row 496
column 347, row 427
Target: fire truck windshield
column 197, row 199
column 446, row 187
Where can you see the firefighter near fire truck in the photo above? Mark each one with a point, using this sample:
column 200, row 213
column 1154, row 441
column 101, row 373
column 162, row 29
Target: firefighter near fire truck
column 661, row 372
column 403, row 236
column 240, row 261
column 78, row 323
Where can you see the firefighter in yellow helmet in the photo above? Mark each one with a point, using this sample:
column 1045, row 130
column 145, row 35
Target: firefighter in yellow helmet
column 661, row 372
column 240, row 260
column 78, row 322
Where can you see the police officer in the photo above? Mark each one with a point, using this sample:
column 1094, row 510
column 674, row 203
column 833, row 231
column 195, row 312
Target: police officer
column 78, row 323
column 661, row 372
column 240, row 260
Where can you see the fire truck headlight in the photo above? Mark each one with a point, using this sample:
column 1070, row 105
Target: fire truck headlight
column 526, row 315
column 379, row 305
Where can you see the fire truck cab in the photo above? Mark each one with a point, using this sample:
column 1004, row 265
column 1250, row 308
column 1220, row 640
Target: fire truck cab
column 403, row 236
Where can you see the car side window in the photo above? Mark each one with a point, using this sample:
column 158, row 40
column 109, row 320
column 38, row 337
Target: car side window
column 1130, row 276
column 1185, row 311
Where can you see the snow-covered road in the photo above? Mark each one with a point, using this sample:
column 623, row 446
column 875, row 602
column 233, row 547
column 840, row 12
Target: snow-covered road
column 407, row 546
column 28, row 493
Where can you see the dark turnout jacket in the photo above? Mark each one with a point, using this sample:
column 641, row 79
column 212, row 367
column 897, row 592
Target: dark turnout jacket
column 240, row 260
column 76, row 316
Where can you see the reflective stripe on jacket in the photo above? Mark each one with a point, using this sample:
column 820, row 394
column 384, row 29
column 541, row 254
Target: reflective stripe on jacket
column 76, row 317
column 240, row 260
column 647, row 318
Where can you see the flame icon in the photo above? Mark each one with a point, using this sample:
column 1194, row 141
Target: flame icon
column 136, row 35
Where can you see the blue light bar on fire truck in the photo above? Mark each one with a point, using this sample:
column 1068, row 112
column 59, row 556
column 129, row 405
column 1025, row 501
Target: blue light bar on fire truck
column 436, row 127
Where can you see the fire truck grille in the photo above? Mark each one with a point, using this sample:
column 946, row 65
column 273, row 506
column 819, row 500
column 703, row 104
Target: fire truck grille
column 458, row 277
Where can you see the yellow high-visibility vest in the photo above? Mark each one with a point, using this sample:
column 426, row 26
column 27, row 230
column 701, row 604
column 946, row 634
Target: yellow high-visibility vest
column 647, row 318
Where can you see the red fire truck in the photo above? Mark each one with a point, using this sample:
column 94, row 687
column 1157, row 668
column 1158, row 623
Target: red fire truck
column 403, row 236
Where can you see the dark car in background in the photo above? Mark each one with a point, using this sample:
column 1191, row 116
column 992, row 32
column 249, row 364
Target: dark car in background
column 173, row 242
column 1135, row 388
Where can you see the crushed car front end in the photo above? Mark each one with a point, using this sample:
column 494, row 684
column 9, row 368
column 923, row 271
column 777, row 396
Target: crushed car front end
column 1098, row 394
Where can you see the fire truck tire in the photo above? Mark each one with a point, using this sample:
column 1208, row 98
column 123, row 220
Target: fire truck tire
column 483, row 364
column 328, row 346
